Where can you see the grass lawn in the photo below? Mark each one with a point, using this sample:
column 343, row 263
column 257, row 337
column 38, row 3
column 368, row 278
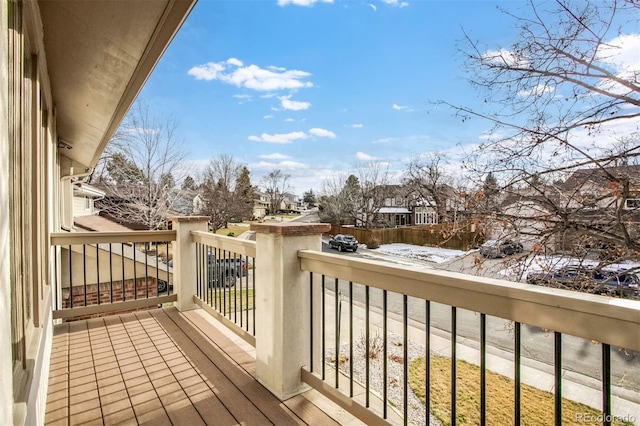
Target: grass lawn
column 536, row 406
column 227, row 297
column 233, row 229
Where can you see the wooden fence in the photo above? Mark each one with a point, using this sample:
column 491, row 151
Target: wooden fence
column 458, row 236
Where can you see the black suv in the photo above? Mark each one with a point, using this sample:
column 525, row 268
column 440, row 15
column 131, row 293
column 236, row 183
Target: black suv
column 344, row 242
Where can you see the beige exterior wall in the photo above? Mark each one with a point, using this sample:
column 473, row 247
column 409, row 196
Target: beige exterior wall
column 80, row 205
column 28, row 176
column 6, row 404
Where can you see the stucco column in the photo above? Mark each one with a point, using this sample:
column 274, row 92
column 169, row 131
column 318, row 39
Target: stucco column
column 282, row 304
column 184, row 259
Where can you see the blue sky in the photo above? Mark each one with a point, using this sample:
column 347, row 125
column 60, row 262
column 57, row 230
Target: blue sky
column 315, row 89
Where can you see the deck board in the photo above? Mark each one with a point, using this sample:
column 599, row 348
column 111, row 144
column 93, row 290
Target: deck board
column 160, row 367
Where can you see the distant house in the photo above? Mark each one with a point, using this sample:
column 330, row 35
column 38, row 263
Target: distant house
column 260, row 204
column 84, row 198
column 402, row 207
column 86, row 217
column 186, row 202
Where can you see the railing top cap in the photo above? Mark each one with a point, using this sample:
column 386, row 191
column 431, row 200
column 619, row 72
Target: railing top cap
column 290, row 228
column 189, row 218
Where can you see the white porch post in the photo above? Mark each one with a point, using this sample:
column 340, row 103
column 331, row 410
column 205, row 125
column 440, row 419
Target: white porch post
column 184, row 259
column 282, row 304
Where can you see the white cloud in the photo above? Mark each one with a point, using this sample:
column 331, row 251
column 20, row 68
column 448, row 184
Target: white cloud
column 401, row 107
column 267, row 117
column 506, row 57
column 538, row 90
column 252, row 77
column 365, row 157
column 281, row 138
column 306, row 3
column 396, row 3
column 242, row 96
column 322, row 133
column 282, row 165
column 373, row 6
column 622, row 54
column 357, row 126
column 289, row 120
column 275, row 156
column 235, row 62
column 287, row 103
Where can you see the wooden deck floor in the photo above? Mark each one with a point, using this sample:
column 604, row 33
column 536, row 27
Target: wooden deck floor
column 160, row 367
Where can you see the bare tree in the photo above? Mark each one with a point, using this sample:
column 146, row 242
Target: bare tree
column 356, row 198
column 141, row 164
column 275, row 185
column 336, row 200
column 564, row 103
column 427, row 178
column 227, row 191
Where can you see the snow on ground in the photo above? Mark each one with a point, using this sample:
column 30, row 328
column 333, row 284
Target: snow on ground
column 430, row 254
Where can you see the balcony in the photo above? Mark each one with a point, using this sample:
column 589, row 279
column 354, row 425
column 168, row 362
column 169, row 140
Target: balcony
column 285, row 340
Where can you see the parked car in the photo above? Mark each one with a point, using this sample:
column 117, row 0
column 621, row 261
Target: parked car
column 615, row 283
column 566, row 276
column 500, row 248
column 618, row 283
column 344, row 242
column 223, row 271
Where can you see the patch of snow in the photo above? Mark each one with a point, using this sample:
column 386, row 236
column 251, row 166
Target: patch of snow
column 430, row 254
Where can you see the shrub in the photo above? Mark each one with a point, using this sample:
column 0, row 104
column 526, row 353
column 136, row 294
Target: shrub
column 373, row 243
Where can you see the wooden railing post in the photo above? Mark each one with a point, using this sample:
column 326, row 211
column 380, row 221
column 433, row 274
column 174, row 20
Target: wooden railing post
column 282, row 304
column 184, row 259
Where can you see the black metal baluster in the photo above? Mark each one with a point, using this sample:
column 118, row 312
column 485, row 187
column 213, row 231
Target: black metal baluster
column 483, row 369
column 146, row 269
column 240, row 279
column 124, row 297
column 110, row 274
column 323, row 329
column 84, row 271
column 558, row 377
column 157, row 251
column 70, row 279
column 166, row 250
column 367, row 344
column 454, row 321
column 235, row 291
column 311, row 321
column 427, row 361
column 405, row 331
column 384, row 354
column 58, row 285
column 517, row 373
column 98, row 270
column 350, row 339
column 337, row 330
column 606, row 384
column 135, row 276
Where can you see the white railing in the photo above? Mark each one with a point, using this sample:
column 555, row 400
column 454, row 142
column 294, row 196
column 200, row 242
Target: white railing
column 341, row 286
column 225, row 281
column 102, row 272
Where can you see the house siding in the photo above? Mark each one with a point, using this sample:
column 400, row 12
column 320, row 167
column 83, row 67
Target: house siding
column 6, row 370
